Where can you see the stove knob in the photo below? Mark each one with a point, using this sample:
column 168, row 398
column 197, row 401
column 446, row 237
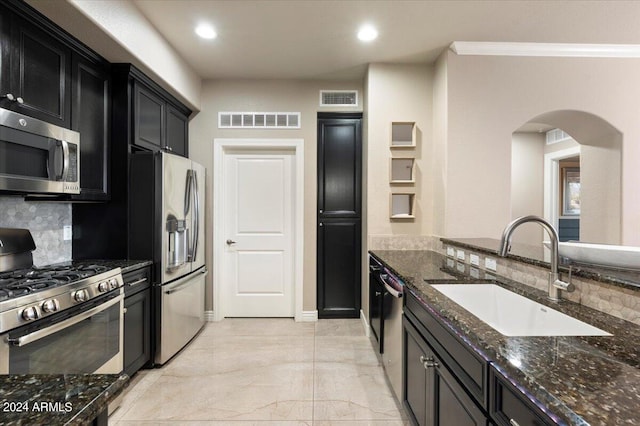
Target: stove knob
column 113, row 283
column 103, row 286
column 81, row 296
column 30, row 313
column 49, row 306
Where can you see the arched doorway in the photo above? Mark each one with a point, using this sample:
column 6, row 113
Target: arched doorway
column 598, row 147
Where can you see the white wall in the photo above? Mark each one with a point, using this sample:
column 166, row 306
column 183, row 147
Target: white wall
column 266, row 95
column 489, row 97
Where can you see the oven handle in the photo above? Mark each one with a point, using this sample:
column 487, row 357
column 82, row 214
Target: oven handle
column 37, row 335
column 395, row 293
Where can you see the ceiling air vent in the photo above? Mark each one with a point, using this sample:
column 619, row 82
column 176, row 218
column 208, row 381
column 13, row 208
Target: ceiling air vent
column 259, row 120
column 557, row 135
column 338, row 98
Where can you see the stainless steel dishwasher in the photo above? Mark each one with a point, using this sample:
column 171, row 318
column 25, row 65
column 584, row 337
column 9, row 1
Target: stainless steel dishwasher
column 385, row 318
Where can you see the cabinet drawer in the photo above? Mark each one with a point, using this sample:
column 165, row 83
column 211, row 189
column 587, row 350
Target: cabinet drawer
column 470, row 368
column 509, row 408
column 137, row 280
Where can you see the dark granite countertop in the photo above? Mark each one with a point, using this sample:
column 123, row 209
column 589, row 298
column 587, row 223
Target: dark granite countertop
column 577, row 380
column 539, row 255
column 125, row 265
column 56, row 399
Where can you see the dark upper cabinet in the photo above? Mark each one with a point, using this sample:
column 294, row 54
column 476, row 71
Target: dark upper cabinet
column 149, row 118
column 177, row 131
column 159, row 121
column 91, row 117
column 339, row 167
column 39, row 74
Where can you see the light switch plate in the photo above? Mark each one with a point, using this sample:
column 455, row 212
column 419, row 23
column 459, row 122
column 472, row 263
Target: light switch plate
column 66, row 233
column 460, row 254
column 490, row 264
column 474, row 259
column 450, row 251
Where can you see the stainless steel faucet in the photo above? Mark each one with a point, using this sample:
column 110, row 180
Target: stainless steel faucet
column 555, row 283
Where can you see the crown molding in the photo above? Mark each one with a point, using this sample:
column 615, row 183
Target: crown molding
column 568, row 50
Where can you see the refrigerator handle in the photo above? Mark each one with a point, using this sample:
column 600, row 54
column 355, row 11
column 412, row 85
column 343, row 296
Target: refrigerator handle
column 187, row 193
column 196, row 209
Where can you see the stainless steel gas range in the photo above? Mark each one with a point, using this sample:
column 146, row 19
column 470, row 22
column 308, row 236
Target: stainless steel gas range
column 62, row 318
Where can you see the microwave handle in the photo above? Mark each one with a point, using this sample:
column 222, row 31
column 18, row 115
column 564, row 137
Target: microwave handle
column 65, row 160
column 40, row 334
column 58, row 163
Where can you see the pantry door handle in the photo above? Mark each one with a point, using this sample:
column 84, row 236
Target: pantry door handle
column 230, row 242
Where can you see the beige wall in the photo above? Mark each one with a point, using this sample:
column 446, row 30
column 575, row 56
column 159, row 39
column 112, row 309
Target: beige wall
column 489, row 97
column 527, row 183
column 398, row 93
column 265, row 95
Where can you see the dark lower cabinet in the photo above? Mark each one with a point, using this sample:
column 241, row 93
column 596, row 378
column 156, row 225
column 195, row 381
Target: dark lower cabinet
column 446, row 383
column 339, row 271
column 432, row 394
column 137, row 320
column 509, row 407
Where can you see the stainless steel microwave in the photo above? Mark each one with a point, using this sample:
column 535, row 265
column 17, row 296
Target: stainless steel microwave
column 37, row 157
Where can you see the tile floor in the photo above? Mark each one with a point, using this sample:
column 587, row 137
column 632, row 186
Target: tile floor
column 266, row 372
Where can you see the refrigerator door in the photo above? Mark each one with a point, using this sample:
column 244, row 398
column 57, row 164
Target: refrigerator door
column 198, row 212
column 176, row 219
column 182, row 314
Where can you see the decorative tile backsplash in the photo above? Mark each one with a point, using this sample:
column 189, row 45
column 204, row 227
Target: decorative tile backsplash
column 45, row 220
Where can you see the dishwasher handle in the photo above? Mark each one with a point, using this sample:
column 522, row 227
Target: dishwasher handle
column 392, row 291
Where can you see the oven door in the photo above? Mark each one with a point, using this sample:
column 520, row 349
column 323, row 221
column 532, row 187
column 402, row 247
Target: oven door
column 82, row 340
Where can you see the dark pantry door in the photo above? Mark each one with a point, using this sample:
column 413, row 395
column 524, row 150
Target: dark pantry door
column 339, row 215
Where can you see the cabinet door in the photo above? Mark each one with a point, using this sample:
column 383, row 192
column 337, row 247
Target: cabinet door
column 339, row 272
column 418, row 381
column 148, row 115
column 40, row 74
column 137, row 327
column 5, row 52
column 339, row 167
column 453, row 407
column 177, row 132
column 91, row 117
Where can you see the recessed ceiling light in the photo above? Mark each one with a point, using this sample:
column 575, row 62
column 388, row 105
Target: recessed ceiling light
column 206, row 31
column 367, row 33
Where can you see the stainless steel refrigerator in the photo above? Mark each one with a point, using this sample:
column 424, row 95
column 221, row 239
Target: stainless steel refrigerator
column 167, row 225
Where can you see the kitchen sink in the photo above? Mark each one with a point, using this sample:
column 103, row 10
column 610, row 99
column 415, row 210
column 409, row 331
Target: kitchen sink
column 514, row 315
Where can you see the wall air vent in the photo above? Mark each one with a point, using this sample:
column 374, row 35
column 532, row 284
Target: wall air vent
column 338, row 98
column 557, row 135
column 258, row 120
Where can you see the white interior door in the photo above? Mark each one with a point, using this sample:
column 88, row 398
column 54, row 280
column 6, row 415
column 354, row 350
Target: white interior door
column 258, row 268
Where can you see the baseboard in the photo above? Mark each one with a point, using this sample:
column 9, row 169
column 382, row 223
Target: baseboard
column 208, row 316
column 309, row 316
column 365, row 323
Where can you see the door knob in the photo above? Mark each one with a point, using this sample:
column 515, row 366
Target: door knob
column 229, row 242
